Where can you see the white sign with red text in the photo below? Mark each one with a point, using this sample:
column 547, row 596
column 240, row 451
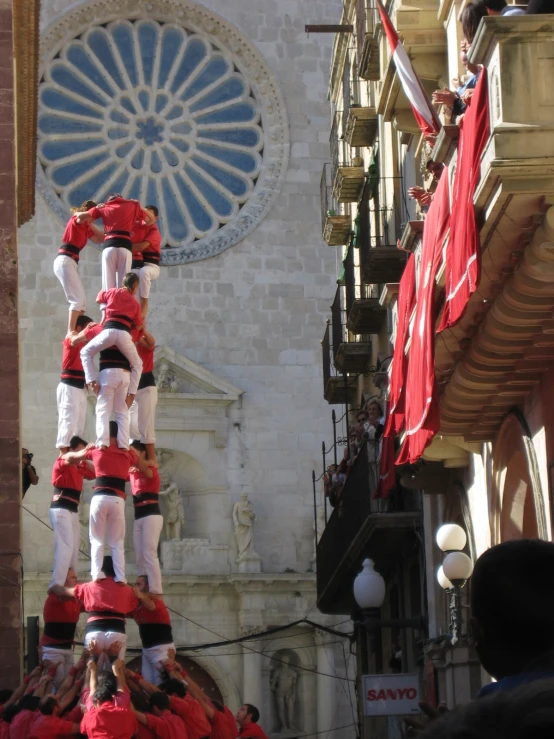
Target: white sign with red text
column 391, row 695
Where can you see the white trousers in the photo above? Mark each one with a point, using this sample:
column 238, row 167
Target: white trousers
column 104, row 640
column 105, row 339
column 151, row 657
column 67, row 536
column 72, row 413
column 146, row 274
column 107, row 524
column 114, row 386
column 116, row 262
column 67, row 272
column 146, row 536
column 143, row 415
column 65, row 660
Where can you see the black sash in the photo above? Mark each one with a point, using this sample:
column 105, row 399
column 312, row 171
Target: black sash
column 147, row 379
column 60, row 630
column 70, row 250
column 106, row 624
column 153, row 635
column 111, row 482
column 68, row 498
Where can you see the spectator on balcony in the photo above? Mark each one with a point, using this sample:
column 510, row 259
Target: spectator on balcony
column 501, row 7
column 333, row 483
column 536, row 7
column 374, row 427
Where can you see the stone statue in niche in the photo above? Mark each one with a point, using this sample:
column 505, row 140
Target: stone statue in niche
column 243, row 519
column 283, row 683
column 175, row 515
column 167, row 382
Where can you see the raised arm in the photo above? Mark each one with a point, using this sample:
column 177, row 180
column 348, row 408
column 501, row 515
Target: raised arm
column 196, row 691
column 76, row 458
column 83, row 217
column 147, row 340
column 118, row 669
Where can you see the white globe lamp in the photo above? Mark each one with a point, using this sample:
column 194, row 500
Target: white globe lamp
column 451, row 538
column 457, row 567
column 369, row 587
column 443, row 581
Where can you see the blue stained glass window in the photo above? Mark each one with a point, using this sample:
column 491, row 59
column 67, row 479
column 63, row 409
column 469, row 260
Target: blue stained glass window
column 158, row 113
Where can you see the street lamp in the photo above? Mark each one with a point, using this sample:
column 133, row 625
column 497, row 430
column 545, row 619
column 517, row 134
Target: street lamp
column 455, row 571
column 369, row 594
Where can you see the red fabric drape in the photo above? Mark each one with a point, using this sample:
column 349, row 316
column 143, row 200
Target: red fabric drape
column 422, row 411
column 463, row 252
column 405, row 304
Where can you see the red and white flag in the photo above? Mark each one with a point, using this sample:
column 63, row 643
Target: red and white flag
column 424, row 112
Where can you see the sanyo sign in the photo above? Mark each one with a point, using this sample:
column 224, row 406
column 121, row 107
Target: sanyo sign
column 391, row 695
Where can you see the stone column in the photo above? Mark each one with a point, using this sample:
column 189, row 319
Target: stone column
column 252, row 675
column 10, row 451
column 327, row 686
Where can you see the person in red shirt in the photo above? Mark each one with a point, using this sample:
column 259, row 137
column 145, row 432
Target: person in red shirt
column 117, row 392
column 105, row 717
column 48, row 724
column 28, row 706
column 164, row 723
column 67, row 480
column 147, row 242
column 189, row 701
column 155, row 632
column 145, row 486
column 107, row 603
column 60, row 616
column 247, row 718
column 107, row 507
column 71, row 395
column 142, row 414
column 74, row 240
column 119, row 216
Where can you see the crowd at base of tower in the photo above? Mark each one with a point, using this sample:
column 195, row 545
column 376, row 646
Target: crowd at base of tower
column 115, row 702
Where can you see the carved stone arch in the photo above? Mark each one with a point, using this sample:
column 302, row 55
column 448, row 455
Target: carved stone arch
column 222, row 677
column 517, row 500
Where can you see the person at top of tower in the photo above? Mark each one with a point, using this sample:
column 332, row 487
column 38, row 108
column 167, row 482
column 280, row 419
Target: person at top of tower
column 147, row 242
column 122, row 314
column 74, row 240
column 71, row 395
column 119, row 216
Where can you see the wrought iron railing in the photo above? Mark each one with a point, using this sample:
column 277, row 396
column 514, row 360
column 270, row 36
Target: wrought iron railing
column 336, row 144
column 350, row 279
column 338, row 321
column 326, row 358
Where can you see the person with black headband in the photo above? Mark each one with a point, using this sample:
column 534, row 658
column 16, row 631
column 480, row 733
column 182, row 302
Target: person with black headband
column 107, row 603
column 67, row 480
column 107, row 507
column 119, row 216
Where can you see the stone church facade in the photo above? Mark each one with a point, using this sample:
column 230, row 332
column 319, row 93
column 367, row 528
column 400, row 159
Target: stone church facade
column 214, row 113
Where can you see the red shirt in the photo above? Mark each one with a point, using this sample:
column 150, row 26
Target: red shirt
column 142, row 484
column 71, row 476
column 167, row 726
column 92, row 331
column 151, row 233
column 60, row 620
column 121, row 307
column 4, row 730
column 112, row 462
column 75, row 235
column 106, row 595
column 223, row 725
column 154, row 626
column 21, row 724
column 192, row 713
column 118, row 216
column 252, row 730
column 50, row 727
column 109, row 721
column 147, row 356
column 144, row 732
column 72, row 367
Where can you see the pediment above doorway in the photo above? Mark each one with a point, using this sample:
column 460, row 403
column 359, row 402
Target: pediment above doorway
column 181, row 381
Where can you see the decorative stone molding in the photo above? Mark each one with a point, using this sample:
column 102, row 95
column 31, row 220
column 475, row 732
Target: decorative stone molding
column 236, row 52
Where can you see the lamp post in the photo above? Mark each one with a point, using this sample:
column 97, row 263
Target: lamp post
column 369, row 594
column 455, row 571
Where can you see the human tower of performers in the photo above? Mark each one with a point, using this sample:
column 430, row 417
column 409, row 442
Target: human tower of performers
column 97, row 695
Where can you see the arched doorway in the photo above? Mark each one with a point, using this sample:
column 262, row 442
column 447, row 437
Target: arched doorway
column 517, row 503
column 200, row 676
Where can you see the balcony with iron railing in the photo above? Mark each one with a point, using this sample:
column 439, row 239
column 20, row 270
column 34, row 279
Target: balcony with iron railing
column 336, row 226
column 367, row 40
column 361, row 123
column 364, row 313
column 360, row 527
column 347, row 171
column 338, row 388
column 351, row 353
